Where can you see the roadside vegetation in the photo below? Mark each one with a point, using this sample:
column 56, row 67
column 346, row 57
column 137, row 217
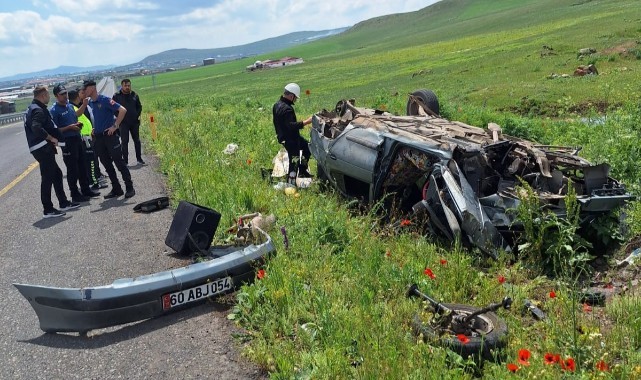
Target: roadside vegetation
column 332, row 303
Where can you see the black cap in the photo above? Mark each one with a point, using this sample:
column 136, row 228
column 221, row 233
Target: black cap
column 59, row 89
column 73, row 94
column 88, row 83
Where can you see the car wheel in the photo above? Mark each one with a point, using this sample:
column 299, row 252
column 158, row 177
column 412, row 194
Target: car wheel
column 490, row 330
column 428, row 98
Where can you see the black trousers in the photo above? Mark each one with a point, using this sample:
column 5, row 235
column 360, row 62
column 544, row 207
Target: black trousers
column 293, row 147
column 90, row 160
column 125, row 130
column 73, row 155
column 109, row 150
column 51, row 176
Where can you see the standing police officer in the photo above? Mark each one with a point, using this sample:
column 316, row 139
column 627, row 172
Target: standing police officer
column 42, row 137
column 107, row 143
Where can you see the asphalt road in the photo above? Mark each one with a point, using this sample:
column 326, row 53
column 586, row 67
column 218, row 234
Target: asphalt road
column 101, row 241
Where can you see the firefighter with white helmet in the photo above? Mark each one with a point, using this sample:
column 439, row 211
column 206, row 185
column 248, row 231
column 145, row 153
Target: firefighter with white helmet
column 288, row 130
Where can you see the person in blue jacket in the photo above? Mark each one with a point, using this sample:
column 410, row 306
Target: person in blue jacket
column 42, row 138
column 66, row 119
column 107, row 140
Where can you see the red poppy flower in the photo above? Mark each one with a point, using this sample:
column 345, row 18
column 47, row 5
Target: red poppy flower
column 388, row 253
column 587, row 308
column 501, row 279
column 463, row 339
column 405, row 222
column 524, row 356
column 609, row 286
column 552, row 294
column 602, row 366
column 443, row 262
column 512, row 367
column 428, row 272
column 307, row 92
column 548, row 358
column 568, row 365
column 261, row 274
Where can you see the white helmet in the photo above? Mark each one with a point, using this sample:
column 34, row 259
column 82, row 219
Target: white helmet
column 293, row 88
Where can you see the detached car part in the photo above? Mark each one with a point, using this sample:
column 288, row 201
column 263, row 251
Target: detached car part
column 134, row 299
column 485, row 334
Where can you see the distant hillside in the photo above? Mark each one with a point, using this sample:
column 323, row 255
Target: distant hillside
column 60, row 70
column 183, row 57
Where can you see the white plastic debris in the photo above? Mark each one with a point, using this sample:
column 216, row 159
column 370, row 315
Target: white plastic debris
column 631, row 259
column 230, row 149
column 283, row 185
column 303, row 183
column 281, row 164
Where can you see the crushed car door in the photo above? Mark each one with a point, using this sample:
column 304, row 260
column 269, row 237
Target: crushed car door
column 462, row 200
column 352, row 160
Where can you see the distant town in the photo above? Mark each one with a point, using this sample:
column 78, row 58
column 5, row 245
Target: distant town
column 11, row 91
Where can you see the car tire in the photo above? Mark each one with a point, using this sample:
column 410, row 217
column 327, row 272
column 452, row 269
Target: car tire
column 489, row 346
column 428, row 97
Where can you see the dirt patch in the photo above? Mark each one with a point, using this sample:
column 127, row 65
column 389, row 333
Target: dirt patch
column 623, row 49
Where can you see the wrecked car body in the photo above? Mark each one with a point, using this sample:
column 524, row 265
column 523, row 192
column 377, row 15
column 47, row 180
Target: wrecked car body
column 135, row 299
column 459, row 179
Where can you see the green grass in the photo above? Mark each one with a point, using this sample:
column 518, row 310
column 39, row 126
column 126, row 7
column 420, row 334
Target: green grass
column 332, row 305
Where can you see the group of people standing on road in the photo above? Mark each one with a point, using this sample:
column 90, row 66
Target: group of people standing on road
column 88, row 127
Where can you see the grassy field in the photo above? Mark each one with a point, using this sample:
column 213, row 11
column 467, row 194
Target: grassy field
column 332, row 302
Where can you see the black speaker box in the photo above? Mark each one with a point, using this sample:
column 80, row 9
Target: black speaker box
column 201, row 222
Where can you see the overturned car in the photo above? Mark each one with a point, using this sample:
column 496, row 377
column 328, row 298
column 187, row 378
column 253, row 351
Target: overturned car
column 459, row 178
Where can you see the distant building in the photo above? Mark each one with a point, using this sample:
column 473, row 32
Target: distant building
column 270, row 64
column 7, row 107
column 209, row 61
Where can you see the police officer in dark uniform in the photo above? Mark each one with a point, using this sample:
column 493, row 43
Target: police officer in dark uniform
column 42, row 137
column 288, row 131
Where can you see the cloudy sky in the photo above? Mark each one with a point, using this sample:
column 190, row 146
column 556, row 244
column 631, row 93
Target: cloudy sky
column 44, row 34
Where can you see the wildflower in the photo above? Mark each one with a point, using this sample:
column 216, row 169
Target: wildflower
column 609, row 286
column 405, row 222
column 550, row 358
column 249, row 162
column 602, row 366
column 463, row 339
column 568, row 365
column 260, row 274
column 512, row 367
column 524, row 356
column 552, row 294
column 428, row 272
column 388, row 253
column 443, row 262
column 587, row 308
column 501, row 279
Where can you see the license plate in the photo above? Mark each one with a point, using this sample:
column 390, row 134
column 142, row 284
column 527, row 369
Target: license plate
column 196, row 293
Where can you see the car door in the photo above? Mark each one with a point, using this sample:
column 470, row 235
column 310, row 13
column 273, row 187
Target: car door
column 352, row 159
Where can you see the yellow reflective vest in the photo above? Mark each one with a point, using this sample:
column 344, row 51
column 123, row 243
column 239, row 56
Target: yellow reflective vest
column 86, row 124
